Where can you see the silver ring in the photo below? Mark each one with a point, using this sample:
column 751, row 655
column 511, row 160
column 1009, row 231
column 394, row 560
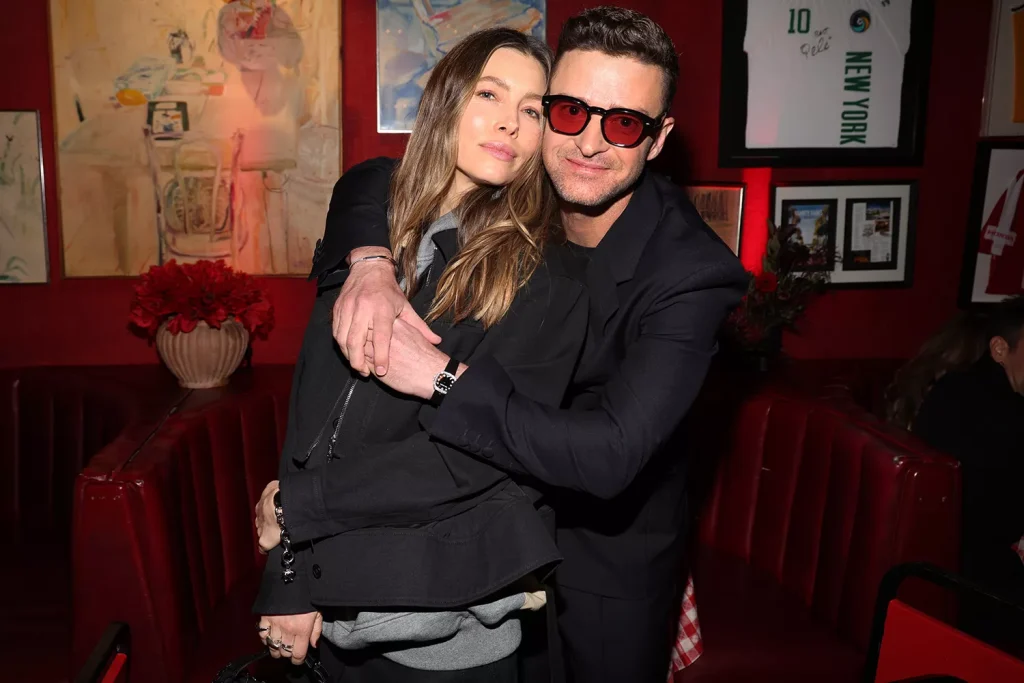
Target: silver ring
column 274, row 644
column 287, row 648
column 261, row 629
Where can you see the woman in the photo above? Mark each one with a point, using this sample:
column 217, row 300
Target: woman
column 412, row 557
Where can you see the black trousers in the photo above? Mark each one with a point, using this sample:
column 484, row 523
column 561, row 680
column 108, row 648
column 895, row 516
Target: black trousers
column 369, row 666
column 611, row 640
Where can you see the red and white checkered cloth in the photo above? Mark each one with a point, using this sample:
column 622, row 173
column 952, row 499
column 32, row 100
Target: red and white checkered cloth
column 688, row 646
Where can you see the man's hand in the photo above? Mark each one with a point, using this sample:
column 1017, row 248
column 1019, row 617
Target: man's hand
column 267, row 528
column 415, row 361
column 291, row 635
column 366, row 310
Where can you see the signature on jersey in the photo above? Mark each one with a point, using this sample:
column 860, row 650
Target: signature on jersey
column 822, row 41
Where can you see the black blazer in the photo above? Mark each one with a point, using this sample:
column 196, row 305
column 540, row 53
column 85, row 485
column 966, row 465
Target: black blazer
column 660, row 284
column 383, row 514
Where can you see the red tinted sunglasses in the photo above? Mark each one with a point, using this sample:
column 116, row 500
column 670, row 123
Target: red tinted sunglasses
column 620, row 127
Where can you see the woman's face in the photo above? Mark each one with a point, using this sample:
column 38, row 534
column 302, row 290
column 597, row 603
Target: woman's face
column 501, row 126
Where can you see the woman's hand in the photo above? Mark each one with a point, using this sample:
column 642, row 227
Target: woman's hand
column 267, row 528
column 291, row 635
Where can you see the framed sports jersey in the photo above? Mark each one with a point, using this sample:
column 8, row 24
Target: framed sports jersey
column 862, row 233
column 1004, row 82
column 824, row 82
column 994, row 255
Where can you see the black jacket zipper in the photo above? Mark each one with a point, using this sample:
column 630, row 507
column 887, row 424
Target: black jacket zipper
column 347, row 393
column 316, row 441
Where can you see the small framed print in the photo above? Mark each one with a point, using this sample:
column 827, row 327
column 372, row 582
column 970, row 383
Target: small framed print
column 993, row 266
column 813, row 221
column 872, row 234
column 721, row 207
column 861, row 233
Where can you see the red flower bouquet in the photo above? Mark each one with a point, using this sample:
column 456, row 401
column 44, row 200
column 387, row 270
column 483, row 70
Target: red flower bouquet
column 207, row 291
column 776, row 298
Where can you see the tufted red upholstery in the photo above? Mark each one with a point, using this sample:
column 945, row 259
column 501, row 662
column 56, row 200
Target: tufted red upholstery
column 166, row 542
column 812, row 503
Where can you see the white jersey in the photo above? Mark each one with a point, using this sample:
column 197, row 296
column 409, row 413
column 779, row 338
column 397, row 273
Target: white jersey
column 825, row 73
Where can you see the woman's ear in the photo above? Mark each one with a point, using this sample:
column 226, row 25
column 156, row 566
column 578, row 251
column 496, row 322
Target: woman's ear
column 999, row 348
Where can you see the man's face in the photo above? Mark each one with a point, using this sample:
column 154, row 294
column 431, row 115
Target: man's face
column 585, row 169
column 1012, row 360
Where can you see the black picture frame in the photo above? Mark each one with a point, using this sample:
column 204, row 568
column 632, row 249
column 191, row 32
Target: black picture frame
column 975, row 218
column 830, row 230
column 909, row 225
column 849, row 259
column 732, row 149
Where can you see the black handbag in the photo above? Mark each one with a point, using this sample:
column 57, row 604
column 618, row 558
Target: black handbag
column 238, row 670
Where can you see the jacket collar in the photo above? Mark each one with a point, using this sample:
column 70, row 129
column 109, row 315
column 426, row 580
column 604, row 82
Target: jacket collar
column 616, row 257
column 447, row 242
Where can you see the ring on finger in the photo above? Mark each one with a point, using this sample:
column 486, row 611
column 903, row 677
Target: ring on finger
column 274, row 644
column 262, row 629
column 287, row 648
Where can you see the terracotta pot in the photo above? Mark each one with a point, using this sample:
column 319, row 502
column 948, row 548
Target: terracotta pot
column 204, row 357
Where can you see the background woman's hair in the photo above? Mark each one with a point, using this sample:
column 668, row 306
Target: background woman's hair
column 959, row 344
column 502, row 231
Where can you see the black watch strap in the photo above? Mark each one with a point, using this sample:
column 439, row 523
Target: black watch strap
column 444, row 381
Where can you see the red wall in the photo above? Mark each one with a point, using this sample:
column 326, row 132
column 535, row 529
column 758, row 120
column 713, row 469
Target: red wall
column 84, row 321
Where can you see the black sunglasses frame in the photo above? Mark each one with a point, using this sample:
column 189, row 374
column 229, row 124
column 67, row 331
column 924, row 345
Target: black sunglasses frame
column 650, row 126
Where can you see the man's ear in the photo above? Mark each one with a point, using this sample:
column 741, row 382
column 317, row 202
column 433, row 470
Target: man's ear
column 659, row 141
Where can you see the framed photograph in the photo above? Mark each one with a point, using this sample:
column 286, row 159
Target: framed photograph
column 814, row 223
column 194, row 129
column 721, row 207
column 862, row 233
column 413, row 36
column 1003, row 106
column 994, row 253
column 824, row 83
column 23, row 254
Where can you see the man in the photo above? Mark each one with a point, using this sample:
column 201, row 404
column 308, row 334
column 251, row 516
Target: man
column 660, row 284
column 977, row 416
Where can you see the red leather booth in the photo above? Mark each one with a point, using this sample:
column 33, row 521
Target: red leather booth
column 811, row 503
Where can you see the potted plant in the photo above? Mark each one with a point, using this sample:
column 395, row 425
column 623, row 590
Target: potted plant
column 202, row 316
column 776, row 298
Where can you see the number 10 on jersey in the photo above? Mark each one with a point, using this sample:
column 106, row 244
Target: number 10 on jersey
column 801, row 18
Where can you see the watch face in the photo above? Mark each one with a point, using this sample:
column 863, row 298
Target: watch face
column 444, row 382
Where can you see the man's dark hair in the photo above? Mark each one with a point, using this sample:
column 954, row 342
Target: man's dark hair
column 621, row 32
column 1006, row 320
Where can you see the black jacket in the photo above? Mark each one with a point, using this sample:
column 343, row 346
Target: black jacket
column 660, row 284
column 383, row 514
column 976, row 417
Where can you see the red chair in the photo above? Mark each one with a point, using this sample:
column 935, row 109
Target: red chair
column 907, row 644
column 108, row 662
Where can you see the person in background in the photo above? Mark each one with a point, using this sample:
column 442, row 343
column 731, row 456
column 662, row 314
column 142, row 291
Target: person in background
column 976, row 414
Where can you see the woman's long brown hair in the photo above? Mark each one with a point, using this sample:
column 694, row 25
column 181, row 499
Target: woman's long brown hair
column 502, row 231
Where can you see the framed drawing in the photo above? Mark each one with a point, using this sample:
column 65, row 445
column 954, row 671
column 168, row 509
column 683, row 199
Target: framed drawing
column 994, row 253
column 1003, row 108
column 198, row 129
column 23, row 256
column 862, row 233
column 721, row 207
column 412, row 35
column 824, row 83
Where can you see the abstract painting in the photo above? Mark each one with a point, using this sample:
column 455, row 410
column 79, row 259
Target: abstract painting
column 195, row 129
column 22, row 216
column 412, row 35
